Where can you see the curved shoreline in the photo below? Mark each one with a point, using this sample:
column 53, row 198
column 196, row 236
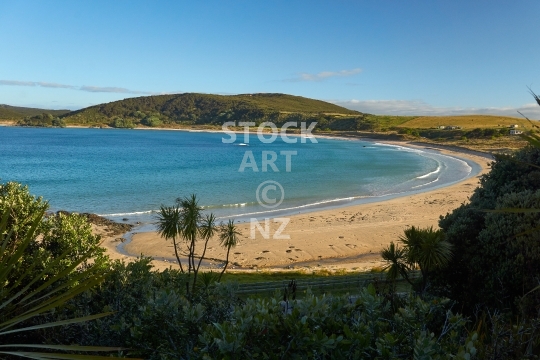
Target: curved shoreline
column 336, row 203
column 316, row 229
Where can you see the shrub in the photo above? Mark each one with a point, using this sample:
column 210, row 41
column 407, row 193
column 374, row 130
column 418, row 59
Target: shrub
column 122, row 123
column 496, row 258
column 152, row 121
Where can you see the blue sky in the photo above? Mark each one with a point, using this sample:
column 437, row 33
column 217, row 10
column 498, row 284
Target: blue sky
column 384, row 57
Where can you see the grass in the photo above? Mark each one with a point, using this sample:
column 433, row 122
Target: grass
column 268, row 276
column 465, row 122
column 319, row 283
column 388, row 121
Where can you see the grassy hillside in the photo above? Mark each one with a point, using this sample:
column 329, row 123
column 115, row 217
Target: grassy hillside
column 465, row 122
column 8, row 112
column 202, row 109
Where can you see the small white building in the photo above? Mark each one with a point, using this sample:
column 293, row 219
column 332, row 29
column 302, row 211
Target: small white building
column 516, row 132
column 515, row 126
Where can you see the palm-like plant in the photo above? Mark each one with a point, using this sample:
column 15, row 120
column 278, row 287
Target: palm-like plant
column 27, row 292
column 207, row 229
column 186, row 220
column 169, row 227
column 426, row 249
column 229, row 238
column 396, row 259
column 190, row 219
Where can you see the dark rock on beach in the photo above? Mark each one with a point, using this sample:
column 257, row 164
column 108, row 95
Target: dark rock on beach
column 110, row 226
column 113, row 227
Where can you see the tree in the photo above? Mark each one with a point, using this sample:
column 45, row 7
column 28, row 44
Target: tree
column 207, row 229
column 186, row 220
column 426, row 249
column 228, row 237
column 168, row 226
column 152, row 121
column 396, row 259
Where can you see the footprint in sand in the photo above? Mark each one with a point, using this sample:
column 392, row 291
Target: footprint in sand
column 237, row 253
column 352, row 246
column 260, row 258
column 288, row 251
column 297, row 249
column 291, row 247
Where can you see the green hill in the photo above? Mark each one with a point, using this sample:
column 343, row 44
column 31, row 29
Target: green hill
column 203, row 109
column 8, row 112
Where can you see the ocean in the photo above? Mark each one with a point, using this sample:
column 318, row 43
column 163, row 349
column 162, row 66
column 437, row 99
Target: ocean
column 128, row 174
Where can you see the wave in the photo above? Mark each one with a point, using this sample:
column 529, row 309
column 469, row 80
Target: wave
column 351, row 198
column 226, row 205
column 430, row 173
column 431, row 182
column 130, row 213
column 399, row 147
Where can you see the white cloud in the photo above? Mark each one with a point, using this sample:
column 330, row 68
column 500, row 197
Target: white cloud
column 73, row 87
column 324, row 75
column 416, row 107
column 113, row 90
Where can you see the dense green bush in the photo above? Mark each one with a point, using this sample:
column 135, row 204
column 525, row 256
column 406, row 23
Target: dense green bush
column 122, row 123
column 497, row 254
column 57, row 234
column 152, row 121
column 42, row 120
column 339, row 327
column 152, row 314
column 154, row 318
column 44, row 262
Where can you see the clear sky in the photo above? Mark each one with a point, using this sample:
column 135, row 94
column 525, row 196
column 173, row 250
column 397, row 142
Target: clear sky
column 384, row 57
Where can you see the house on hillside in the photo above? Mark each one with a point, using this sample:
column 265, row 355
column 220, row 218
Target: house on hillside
column 515, row 132
column 448, row 127
column 515, row 126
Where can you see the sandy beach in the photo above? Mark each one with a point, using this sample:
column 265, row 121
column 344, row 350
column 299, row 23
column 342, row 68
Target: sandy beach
column 348, row 238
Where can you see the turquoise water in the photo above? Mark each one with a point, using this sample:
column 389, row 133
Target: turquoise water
column 129, row 173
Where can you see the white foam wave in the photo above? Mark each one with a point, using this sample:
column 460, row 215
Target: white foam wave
column 296, row 207
column 399, row 147
column 430, row 173
column 431, row 182
column 463, row 162
column 129, row 213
